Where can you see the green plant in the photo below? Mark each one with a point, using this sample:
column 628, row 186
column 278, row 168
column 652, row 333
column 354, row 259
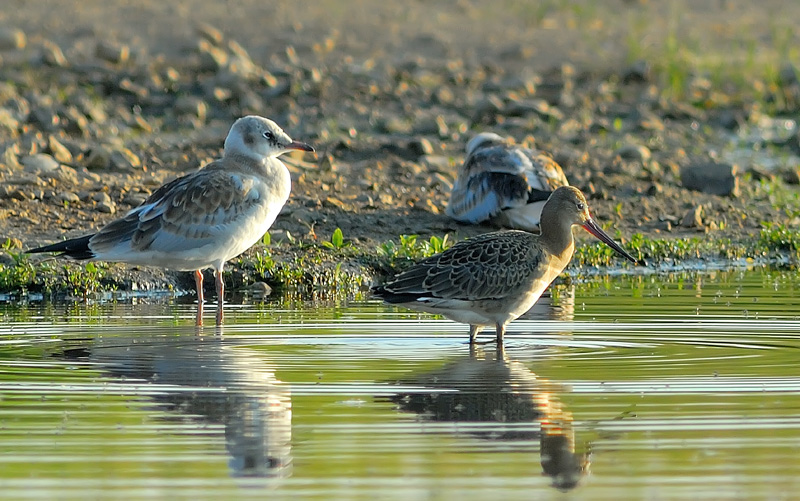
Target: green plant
column 337, row 241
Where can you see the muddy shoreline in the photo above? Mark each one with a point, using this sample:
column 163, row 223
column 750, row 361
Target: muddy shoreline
column 94, row 116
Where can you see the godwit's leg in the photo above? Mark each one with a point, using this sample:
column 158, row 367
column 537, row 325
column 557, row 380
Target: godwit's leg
column 198, row 282
column 220, row 294
column 501, row 331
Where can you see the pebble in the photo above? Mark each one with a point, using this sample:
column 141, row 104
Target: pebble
column 8, row 121
column 52, row 54
column 69, row 197
column 634, row 152
column 259, row 290
column 693, row 218
column 209, row 33
column 711, row 177
column 9, row 156
column 59, row 152
column 191, row 106
column 123, row 159
column 106, row 207
column 420, row 147
column 12, row 39
column 40, row 163
column 113, row 53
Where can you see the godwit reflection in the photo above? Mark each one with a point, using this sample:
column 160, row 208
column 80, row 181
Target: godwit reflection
column 491, row 388
column 210, row 381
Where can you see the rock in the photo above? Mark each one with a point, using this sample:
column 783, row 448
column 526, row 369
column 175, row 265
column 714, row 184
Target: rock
column 101, row 197
column 634, row 152
column 639, row 72
column 9, row 156
column 421, row 146
column 259, row 290
column 191, row 106
column 52, row 54
column 693, row 218
column 486, row 110
column 210, row 33
column 68, row 197
column 711, row 177
column 211, row 58
column 58, row 150
column 12, row 39
column 113, row 53
column 7, row 121
column 791, row 176
column 438, row 163
column 40, row 163
column 45, row 118
column 106, row 207
column 99, row 157
column 123, row 159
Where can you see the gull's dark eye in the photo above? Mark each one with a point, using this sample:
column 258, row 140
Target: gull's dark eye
column 269, row 135
column 580, row 206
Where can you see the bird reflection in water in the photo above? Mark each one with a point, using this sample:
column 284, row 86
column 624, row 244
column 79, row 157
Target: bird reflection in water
column 488, row 387
column 210, row 382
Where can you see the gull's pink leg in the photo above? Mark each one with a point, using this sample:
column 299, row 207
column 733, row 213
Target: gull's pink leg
column 198, row 281
column 220, row 294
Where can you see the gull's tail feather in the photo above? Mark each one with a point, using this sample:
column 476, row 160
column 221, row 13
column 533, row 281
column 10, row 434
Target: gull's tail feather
column 76, row 248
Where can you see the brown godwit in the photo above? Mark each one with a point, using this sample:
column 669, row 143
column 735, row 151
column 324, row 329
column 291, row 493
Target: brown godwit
column 205, row 218
column 503, row 183
column 494, row 278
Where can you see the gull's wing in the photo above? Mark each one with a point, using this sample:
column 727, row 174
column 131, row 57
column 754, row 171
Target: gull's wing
column 186, row 213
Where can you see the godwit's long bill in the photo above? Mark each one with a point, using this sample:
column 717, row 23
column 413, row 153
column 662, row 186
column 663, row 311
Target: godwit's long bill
column 205, row 218
column 494, row 278
column 503, row 183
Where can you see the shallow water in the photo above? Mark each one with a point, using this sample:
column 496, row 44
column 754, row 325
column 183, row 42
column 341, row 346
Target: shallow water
column 631, row 387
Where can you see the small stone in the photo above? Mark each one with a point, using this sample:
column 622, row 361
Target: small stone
column 9, row 156
column 12, row 39
column 113, row 53
column 486, row 111
column 710, row 177
column 210, row 33
column 58, row 150
column 123, row 159
column 106, row 207
column 192, row 106
column 44, row 118
column 634, row 152
column 639, row 72
column 69, row 197
column 8, row 121
column 791, row 176
column 134, row 199
column 259, row 290
column 211, row 58
column 131, row 87
column 52, row 54
column 99, row 157
column 40, row 163
column 421, row 147
column 693, row 218
column 101, row 197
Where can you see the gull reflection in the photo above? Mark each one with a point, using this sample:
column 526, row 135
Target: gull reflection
column 211, row 382
column 488, row 387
